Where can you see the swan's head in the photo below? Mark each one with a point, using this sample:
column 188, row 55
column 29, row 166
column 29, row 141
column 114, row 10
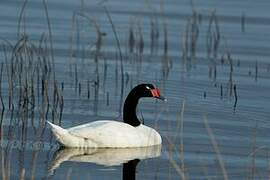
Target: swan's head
column 140, row 91
column 148, row 90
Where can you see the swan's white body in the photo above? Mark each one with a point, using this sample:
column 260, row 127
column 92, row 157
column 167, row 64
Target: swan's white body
column 106, row 134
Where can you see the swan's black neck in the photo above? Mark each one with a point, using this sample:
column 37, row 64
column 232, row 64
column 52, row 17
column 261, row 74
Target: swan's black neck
column 129, row 110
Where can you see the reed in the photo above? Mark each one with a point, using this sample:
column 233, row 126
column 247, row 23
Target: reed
column 230, row 60
column 27, row 65
column 154, row 35
column 252, row 168
column 34, row 164
column 216, row 148
column 172, row 148
column 108, row 99
column 182, row 136
column 105, row 72
column 1, row 76
column 61, row 106
column 140, row 41
column 131, row 39
column 50, row 36
column 221, row 91
column 71, row 48
column 88, row 89
column 235, row 97
column 28, row 68
column 256, row 71
column 212, row 44
column 80, row 89
column 243, row 22
column 68, row 175
column 21, row 15
column 166, row 60
column 190, row 39
column 172, row 161
column 121, row 58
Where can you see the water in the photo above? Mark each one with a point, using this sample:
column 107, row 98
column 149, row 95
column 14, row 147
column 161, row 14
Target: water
column 235, row 144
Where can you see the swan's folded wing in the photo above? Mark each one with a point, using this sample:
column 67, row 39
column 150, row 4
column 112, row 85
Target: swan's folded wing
column 108, row 133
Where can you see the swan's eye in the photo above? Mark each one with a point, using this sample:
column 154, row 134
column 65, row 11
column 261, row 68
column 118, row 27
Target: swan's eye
column 147, row 87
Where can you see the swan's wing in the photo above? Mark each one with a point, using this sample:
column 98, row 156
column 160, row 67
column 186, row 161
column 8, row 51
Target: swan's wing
column 108, row 133
column 90, row 126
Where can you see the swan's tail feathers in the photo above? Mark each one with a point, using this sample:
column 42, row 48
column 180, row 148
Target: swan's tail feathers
column 61, row 134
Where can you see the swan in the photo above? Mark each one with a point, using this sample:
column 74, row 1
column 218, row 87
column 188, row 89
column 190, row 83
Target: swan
column 114, row 134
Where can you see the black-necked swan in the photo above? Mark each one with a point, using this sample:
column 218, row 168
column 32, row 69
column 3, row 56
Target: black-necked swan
column 114, row 134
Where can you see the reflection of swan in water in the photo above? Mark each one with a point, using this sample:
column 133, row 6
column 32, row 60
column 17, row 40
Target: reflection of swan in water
column 105, row 156
column 129, row 169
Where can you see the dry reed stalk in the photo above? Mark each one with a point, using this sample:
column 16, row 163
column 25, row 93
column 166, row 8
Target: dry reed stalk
column 4, row 176
column 2, row 147
column 54, row 101
column 76, row 77
column 9, row 69
column 8, row 148
column 121, row 58
column 21, row 17
column 34, row 164
column 194, row 34
column 88, row 89
column 156, row 36
column 46, row 98
column 33, row 99
column 178, row 169
column 1, row 98
column 216, row 148
column 140, row 42
column 221, row 91
column 62, row 86
column 152, row 36
column 80, row 89
column 166, row 61
column 190, row 39
column 231, row 73
column 105, row 69
column 235, row 97
column 181, row 135
column 108, row 99
column 22, row 174
column 256, row 71
column 184, row 50
column 131, row 39
column 212, row 43
column 71, row 43
column 252, row 169
column 96, row 97
column 230, row 61
column 61, row 108
column 243, row 22
column 69, row 172
column 50, row 36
